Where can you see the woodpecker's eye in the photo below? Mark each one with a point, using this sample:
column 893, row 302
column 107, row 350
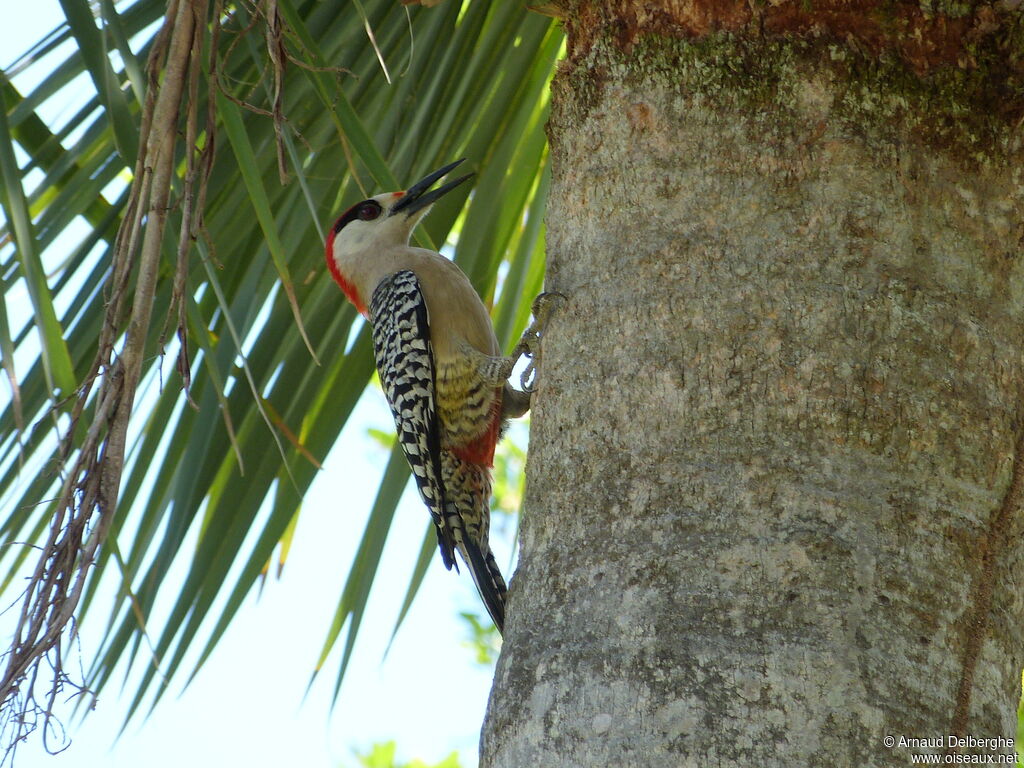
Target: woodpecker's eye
column 369, row 210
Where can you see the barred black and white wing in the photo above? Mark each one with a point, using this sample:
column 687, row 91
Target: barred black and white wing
column 405, row 363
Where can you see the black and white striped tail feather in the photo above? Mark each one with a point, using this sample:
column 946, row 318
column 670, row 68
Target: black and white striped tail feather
column 482, row 567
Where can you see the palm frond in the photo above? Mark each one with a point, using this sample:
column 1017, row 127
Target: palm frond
column 251, row 362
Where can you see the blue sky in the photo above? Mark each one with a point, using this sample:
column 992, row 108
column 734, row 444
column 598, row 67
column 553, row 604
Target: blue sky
column 249, row 705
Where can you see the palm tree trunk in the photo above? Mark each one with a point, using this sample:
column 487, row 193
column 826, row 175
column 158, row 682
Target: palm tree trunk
column 772, row 514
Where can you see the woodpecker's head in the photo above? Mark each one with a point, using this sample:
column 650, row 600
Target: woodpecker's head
column 386, row 219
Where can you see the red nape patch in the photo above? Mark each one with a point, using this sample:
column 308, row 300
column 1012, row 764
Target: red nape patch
column 481, row 450
column 399, row 193
column 346, row 286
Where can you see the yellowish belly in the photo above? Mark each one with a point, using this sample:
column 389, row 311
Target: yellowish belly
column 466, row 406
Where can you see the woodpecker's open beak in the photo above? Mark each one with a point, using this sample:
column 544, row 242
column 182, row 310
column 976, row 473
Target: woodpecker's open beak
column 415, row 200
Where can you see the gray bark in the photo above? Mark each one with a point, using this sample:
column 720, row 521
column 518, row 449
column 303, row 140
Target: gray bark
column 768, row 517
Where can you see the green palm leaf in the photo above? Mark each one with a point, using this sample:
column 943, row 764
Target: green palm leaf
column 253, row 362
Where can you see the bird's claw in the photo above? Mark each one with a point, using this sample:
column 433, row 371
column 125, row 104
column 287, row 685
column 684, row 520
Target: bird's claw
column 528, row 379
column 546, row 303
column 543, row 306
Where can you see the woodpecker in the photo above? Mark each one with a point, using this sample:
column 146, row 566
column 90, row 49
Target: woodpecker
column 440, row 367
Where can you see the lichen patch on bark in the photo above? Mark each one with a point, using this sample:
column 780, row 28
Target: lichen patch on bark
column 954, row 70
column 925, row 36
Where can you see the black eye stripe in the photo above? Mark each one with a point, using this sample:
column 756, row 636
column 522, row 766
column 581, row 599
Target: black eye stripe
column 367, row 210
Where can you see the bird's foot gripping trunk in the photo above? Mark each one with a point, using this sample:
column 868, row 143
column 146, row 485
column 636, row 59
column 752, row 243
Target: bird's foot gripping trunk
column 543, row 306
column 496, row 370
